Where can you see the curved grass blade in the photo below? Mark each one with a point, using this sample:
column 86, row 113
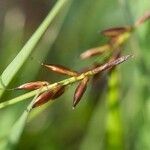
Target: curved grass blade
column 12, row 69
column 18, row 127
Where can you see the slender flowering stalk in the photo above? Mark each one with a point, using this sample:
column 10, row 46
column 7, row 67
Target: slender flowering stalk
column 67, row 81
column 117, row 36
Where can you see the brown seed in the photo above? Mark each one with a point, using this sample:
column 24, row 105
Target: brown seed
column 61, row 69
column 113, row 32
column 32, row 85
column 49, row 95
column 142, row 19
column 81, row 88
column 110, row 64
column 95, row 51
column 43, row 98
column 58, row 92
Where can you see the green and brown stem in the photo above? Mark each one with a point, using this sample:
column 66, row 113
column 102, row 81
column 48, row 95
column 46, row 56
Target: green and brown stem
column 66, row 82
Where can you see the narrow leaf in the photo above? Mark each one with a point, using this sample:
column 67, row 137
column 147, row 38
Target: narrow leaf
column 18, row 127
column 28, row 48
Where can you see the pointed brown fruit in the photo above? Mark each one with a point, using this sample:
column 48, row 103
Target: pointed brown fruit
column 58, row 92
column 111, row 64
column 142, row 19
column 49, row 95
column 32, row 85
column 43, row 98
column 113, row 32
column 95, row 51
column 81, row 88
column 61, row 69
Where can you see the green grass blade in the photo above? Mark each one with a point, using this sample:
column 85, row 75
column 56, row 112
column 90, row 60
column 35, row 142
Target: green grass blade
column 18, row 127
column 114, row 124
column 23, row 55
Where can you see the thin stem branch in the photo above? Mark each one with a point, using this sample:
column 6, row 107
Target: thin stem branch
column 66, row 81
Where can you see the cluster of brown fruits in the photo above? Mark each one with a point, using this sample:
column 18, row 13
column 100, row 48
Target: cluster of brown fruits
column 116, row 38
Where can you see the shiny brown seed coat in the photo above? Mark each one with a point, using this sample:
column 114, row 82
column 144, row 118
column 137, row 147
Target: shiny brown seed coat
column 110, row 64
column 142, row 19
column 49, row 95
column 81, row 88
column 95, row 51
column 58, row 92
column 61, row 69
column 113, row 32
column 32, row 85
column 43, row 98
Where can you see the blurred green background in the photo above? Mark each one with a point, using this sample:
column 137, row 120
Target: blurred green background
column 91, row 126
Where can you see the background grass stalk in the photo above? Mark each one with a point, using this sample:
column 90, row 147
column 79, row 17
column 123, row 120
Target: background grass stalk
column 114, row 135
column 17, row 129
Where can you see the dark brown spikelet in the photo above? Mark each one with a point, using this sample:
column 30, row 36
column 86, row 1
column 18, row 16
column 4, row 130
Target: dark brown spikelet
column 61, row 69
column 142, row 19
column 81, row 88
column 111, row 64
column 95, row 51
column 58, row 92
column 49, row 95
column 43, row 98
column 32, row 85
column 113, row 32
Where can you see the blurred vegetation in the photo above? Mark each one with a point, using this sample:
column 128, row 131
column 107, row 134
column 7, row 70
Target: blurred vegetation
column 92, row 125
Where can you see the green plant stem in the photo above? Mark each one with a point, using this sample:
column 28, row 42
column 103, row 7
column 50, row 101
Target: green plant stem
column 18, row 127
column 114, row 135
column 16, row 64
column 66, row 81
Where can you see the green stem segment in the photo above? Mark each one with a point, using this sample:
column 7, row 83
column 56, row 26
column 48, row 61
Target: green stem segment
column 114, row 135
